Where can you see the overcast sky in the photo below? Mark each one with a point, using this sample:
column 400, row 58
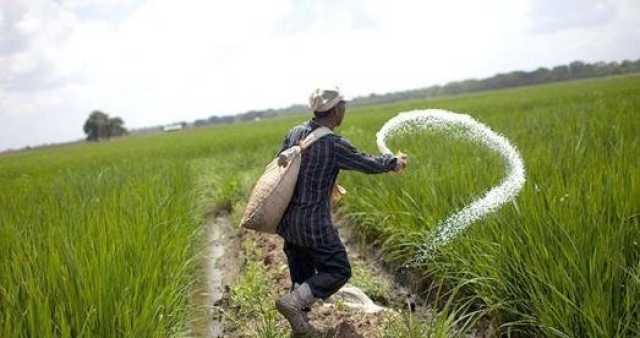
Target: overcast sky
column 153, row 62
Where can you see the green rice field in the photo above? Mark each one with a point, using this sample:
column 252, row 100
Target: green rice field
column 101, row 240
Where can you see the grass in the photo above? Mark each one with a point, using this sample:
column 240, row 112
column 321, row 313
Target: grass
column 78, row 257
column 252, row 297
column 251, row 313
column 446, row 323
column 560, row 261
column 100, row 239
column 375, row 286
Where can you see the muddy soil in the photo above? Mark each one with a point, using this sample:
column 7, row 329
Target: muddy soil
column 325, row 315
column 331, row 315
column 219, row 265
column 224, row 262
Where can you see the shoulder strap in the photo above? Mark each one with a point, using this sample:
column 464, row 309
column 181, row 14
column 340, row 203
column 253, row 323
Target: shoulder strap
column 315, row 135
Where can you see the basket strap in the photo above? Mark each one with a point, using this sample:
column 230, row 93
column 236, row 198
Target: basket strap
column 315, row 135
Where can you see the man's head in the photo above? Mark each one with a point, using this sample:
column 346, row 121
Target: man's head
column 328, row 104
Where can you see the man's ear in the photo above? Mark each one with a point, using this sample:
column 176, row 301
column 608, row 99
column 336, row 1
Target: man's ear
column 333, row 114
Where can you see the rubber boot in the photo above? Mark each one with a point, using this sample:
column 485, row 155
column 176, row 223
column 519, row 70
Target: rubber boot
column 305, row 309
column 291, row 305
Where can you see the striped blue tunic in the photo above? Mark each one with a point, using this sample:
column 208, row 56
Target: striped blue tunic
column 307, row 220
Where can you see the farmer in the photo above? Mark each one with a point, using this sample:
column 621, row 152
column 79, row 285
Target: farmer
column 318, row 263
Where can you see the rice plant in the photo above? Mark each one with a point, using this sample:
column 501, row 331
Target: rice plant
column 100, row 239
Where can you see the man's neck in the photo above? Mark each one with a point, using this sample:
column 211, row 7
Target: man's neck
column 325, row 123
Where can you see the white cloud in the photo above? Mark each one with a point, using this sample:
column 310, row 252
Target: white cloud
column 553, row 15
column 155, row 62
column 308, row 15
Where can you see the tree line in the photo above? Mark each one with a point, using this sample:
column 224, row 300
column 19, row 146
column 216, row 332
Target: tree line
column 572, row 71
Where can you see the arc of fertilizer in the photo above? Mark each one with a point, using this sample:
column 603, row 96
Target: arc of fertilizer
column 462, row 126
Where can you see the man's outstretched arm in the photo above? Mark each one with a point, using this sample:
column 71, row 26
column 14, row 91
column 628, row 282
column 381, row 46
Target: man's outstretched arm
column 349, row 158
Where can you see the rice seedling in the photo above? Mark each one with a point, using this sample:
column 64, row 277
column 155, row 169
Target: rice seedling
column 558, row 261
column 100, row 239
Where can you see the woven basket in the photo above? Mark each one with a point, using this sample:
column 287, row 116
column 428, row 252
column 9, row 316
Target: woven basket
column 273, row 191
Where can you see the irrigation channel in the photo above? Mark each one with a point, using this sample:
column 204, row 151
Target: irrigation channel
column 219, row 265
column 350, row 312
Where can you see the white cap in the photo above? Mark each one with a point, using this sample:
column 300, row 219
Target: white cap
column 322, row 100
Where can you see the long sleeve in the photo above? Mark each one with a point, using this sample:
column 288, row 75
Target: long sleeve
column 349, row 158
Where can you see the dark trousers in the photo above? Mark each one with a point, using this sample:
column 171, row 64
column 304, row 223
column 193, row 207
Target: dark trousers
column 325, row 268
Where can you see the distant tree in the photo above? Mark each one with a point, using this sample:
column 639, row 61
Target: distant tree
column 540, row 75
column 100, row 126
column 561, row 73
column 96, row 125
column 116, row 127
column 573, row 71
column 578, row 69
column 200, row 122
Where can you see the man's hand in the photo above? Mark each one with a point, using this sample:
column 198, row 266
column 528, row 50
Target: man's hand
column 282, row 161
column 401, row 162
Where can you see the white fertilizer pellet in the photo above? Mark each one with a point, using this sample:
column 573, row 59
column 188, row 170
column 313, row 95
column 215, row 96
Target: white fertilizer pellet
column 462, row 126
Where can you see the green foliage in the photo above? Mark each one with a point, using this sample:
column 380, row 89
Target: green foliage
column 99, row 239
column 91, row 253
column 253, row 297
column 573, row 71
column 376, row 287
column 447, row 316
column 100, row 126
column 560, row 260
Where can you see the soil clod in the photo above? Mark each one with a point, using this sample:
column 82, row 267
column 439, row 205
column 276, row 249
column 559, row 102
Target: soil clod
column 346, row 330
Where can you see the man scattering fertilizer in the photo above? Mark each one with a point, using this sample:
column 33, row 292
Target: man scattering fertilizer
column 318, row 262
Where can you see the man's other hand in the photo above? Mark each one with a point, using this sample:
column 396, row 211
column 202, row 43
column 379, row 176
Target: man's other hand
column 401, row 162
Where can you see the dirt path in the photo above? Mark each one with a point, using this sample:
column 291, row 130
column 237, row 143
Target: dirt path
column 330, row 314
column 334, row 313
column 226, row 255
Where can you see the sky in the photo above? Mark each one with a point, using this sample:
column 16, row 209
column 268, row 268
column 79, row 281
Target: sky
column 154, row 62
